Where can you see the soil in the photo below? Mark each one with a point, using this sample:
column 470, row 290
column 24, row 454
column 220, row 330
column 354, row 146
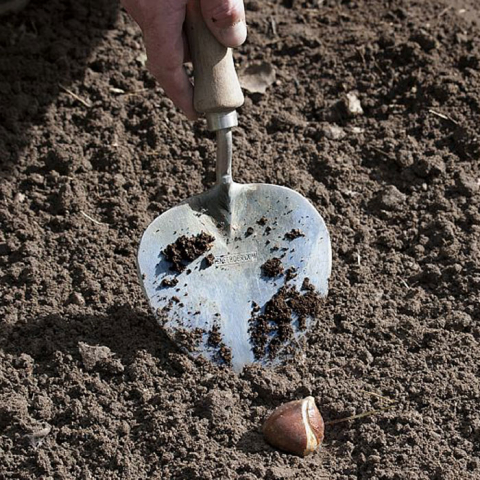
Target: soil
column 187, row 249
column 290, row 273
column 223, row 353
column 273, row 267
column 284, row 314
column 169, row 282
column 294, row 233
column 92, row 152
column 209, row 260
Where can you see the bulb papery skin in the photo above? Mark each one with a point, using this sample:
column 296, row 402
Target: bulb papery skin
column 296, row 427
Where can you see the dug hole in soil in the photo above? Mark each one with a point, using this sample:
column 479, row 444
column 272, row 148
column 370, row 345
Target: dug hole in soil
column 92, row 151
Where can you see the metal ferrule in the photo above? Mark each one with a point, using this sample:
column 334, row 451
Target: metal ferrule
column 220, row 121
column 222, row 124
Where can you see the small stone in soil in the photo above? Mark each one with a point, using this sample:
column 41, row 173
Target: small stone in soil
column 186, row 249
column 272, row 268
column 249, row 231
column 293, row 234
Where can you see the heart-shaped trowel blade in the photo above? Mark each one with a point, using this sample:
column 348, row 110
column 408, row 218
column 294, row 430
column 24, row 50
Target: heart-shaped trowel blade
column 222, row 309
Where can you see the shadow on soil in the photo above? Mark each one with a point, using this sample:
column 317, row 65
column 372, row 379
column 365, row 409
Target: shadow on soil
column 122, row 329
column 45, row 48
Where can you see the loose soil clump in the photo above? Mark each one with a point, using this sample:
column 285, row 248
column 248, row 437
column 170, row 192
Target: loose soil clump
column 273, row 267
column 223, row 353
column 186, row 249
column 209, row 260
column 274, row 327
column 169, row 282
column 294, row 233
column 290, row 274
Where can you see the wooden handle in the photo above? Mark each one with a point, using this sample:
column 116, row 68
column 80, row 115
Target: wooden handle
column 216, row 83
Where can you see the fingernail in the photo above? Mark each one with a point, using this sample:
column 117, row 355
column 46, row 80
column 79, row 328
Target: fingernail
column 234, row 35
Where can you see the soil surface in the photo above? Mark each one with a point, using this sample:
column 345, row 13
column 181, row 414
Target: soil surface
column 373, row 116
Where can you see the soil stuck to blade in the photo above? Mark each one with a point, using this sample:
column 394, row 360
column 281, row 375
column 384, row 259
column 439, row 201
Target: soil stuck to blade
column 274, row 327
column 223, row 354
column 169, row 282
column 293, row 234
column 273, row 267
column 186, row 249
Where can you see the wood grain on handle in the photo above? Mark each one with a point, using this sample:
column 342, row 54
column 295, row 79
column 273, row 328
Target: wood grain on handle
column 216, row 83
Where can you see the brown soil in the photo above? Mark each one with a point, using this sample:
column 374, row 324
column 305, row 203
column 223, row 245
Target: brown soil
column 284, row 314
column 92, row 151
column 209, row 260
column 223, row 353
column 187, row 249
column 290, row 273
column 273, row 267
column 293, row 234
column 169, row 282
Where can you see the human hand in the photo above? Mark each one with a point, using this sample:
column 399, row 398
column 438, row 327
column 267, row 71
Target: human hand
column 162, row 21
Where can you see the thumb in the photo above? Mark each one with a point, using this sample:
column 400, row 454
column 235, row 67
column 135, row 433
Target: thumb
column 226, row 20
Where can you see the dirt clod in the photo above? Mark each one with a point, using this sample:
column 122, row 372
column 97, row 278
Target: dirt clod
column 294, row 233
column 307, row 285
column 169, row 282
column 290, row 274
column 186, row 249
column 273, row 267
column 223, row 353
column 209, row 260
column 94, row 356
column 274, row 326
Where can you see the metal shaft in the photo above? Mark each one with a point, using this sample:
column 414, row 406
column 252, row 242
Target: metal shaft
column 224, row 156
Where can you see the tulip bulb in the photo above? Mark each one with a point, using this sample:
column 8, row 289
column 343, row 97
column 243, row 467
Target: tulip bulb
column 295, row 427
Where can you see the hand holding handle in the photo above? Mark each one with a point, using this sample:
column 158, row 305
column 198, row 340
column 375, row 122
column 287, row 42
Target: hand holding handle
column 216, row 89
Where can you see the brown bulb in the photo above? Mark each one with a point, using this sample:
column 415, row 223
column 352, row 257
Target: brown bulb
column 295, row 427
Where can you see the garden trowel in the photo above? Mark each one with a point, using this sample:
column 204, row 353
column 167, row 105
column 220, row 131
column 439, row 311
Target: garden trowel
column 220, row 301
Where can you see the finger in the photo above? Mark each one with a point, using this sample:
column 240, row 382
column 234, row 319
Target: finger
column 165, row 63
column 186, row 49
column 162, row 24
column 226, row 20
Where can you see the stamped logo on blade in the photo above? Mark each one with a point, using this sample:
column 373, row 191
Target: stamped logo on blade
column 235, row 258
